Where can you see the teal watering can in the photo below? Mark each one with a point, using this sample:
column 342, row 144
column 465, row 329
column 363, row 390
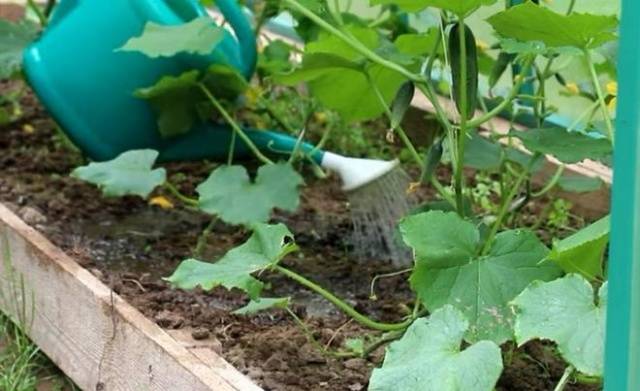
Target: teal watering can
column 87, row 85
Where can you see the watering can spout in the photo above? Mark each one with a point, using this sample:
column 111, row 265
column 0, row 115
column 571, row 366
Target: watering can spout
column 355, row 172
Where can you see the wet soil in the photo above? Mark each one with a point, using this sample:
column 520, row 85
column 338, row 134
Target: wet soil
column 131, row 245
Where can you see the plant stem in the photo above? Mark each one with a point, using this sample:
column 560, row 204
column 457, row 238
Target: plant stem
column 407, row 142
column 603, row 106
column 587, row 379
column 372, row 287
column 355, row 44
column 234, row 125
column 36, row 9
column 232, row 148
column 564, row 379
column 551, row 184
column 502, row 213
column 176, row 193
column 462, row 131
column 582, row 116
column 49, row 8
column 399, row 129
column 344, row 307
column 380, row 342
column 202, row 239
column 276, row 116
column 476, row 122
column 337, row 14
column 312, row 339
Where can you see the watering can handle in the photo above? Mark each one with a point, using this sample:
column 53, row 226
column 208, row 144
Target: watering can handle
column 246, row 37
column 234, row 15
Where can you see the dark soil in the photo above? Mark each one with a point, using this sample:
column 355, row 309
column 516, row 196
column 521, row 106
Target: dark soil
column 130, row 245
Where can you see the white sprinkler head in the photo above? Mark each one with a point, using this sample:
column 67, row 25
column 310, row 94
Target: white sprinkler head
column 356, row 172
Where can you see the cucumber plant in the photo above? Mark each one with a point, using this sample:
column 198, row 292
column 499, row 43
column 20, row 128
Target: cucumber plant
column 480, row 279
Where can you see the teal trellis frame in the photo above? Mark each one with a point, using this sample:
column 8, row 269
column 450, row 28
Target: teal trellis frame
column 622, row 351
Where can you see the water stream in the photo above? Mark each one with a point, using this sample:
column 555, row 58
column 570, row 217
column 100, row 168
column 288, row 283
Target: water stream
column 376, row 209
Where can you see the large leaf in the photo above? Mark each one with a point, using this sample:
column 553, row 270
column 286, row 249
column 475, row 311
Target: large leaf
column 481, row 153
column 568, row 147
column 458, row 7
column 580, row 183
column 275, row 58
column 263, row 304
column 449, row 270
column 14, row 38
column 131, row 173
column 419, row 44
column 265, row 248
column 335, row 74
column 564, row 311
column 583, row 251
column 530, row 22
column 230, row 194
column 174, row 100
column 225, row 82
column 428, row 358
column 200, row 36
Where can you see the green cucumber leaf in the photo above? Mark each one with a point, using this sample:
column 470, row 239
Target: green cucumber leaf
column 14, row 38
column 199, row 36
column 429, row 358
column 481, row 153
column 583, row 252
column 512, row 46
column 419, row 44
column 225, row 82
column 580, row 183
column 131, row 173
column 174, row 100
column 564, row 311
column 274, row 59
column 448, row 270
column 230, row 194
column 568, row 147
column 315, row 65
column 263, row 304
column 267, row 245
column 458, row 7
column 530, row 22
column 337, row 77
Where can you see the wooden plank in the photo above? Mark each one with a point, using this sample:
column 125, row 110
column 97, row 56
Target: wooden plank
column 502, row 126
column 93, row 335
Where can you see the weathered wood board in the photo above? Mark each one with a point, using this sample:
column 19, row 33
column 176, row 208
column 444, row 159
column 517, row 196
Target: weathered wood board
column 98, row 340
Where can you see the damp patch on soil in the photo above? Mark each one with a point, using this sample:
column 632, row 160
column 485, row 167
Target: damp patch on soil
column 131, row 245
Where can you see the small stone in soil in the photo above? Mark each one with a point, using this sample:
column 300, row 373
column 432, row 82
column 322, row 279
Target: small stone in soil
column 255, row 373
column 32, row 216
column 311, row 355
column 275, row 363
column 200, row 334
column 356, row 364
column 168, row 320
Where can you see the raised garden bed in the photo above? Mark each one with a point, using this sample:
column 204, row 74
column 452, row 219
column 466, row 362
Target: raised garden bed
column 129, row 245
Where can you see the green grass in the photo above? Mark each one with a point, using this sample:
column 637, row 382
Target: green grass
column 23, row 367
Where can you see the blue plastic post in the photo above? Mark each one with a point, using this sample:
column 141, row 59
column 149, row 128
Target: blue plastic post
column 622, row 352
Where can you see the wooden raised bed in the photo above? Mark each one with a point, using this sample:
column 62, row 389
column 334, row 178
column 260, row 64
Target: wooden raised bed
column 94, row 336
column 103, row 343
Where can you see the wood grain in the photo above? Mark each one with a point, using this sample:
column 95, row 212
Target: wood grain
column 92, row 334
